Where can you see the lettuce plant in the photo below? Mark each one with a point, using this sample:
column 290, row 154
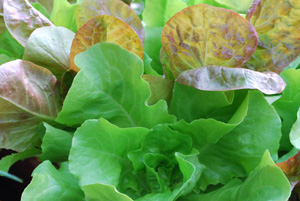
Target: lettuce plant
column 187, row 104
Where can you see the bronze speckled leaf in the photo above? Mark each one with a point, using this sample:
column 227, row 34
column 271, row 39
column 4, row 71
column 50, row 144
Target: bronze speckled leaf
column 277, row 23
column 291, row 168
column 116, row 8
column 104, row 28
column 203, row 35
column 28, row 96
column 22, row 19
column 219, row 78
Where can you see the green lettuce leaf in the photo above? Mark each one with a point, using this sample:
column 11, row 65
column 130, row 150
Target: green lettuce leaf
column 191, row 170
column 28, row 96
column 152, row 46
column 7, row 161
column 21, row 19
column 50, row 47
column 158, row 12
column 102, row 146
column 265, row 182
column 111, row 88
column 237, row 6
column 148, row 69
column 295, row 132
column 63, row 14
column 56, row 144
column 39, row 7
column 100, row 192
column 278, row 28
column 239, row 151
column 171, row 167
column 4, row 59
column 218, row 78
column 205, row 131
column 9, row 45
column 161, row 89
column 203, row 35
column 51, row 184
column 48, row 4
column 288, row 105
column 185, row 103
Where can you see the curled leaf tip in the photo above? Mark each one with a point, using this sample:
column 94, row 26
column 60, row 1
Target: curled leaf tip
column 219, row 78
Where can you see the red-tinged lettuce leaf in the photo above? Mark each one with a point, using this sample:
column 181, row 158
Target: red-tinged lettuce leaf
column 161, row 89
column 28, row 96
column 105, row 28
column 21, row 19
column 203, row 35
column 291, row 168
column 278, row 27
column 116, row 8
column 50, row 47
column 218, row 78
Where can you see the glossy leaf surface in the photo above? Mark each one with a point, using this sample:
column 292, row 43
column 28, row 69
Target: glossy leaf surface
column 265, row 182
column 185, row 103
column 50, row 47
column 161, row 89
column 288, row 105
column 51, row 184
column 99, row 192
column 28, row 96
column 278, row 27
column 291, row 168
column 7, row 161
column 217, row 78
column 22, row 19
column 100, row 136
column 116, row 8
column 56, row 144
column 105, row 28
column 295, row 134
column 203, row 35
column 113, row 89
